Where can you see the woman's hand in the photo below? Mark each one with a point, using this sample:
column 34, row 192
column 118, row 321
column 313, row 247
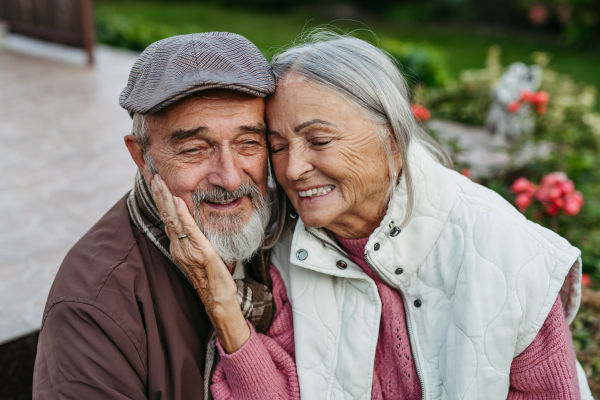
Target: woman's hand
column 205, row 268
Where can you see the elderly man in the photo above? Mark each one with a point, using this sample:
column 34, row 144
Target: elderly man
column 123, row 320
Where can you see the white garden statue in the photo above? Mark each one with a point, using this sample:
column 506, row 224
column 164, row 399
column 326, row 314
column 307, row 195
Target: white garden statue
column 509, row 117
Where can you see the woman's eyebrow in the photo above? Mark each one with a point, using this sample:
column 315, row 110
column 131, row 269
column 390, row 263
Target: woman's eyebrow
column 314, row 121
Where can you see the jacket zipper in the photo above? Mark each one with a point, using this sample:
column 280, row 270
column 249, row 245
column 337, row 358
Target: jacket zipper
column 408, row 326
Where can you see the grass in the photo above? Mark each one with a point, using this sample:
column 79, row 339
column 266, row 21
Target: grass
column 464, row 47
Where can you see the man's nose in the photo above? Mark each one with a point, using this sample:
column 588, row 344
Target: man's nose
column 298, row 163
column 226, row 173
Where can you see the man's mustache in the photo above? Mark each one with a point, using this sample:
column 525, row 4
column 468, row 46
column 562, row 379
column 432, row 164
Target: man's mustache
column 217, row 194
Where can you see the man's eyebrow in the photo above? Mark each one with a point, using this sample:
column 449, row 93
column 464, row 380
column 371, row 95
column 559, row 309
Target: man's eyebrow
column 259, row 128
column 314, row 121
column 182, row 134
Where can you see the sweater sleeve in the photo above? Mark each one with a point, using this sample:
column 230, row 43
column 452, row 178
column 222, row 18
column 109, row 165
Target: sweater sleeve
column 546, row 369
column 264, row 367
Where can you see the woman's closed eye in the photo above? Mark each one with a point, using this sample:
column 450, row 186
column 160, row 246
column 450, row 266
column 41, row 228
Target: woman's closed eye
column 320, row 142
column 277, row 148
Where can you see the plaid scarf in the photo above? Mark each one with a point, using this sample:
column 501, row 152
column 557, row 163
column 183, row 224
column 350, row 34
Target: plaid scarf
column 256, row 300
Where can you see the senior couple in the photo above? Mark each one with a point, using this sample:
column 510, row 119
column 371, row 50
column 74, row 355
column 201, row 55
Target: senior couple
column 293, row 233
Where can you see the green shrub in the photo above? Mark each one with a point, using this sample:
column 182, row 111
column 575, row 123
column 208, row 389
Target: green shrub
column 468, row 98
column 422, row 64
column 133, row 33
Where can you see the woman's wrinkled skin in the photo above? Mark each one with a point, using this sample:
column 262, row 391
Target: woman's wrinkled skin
column 318, row 138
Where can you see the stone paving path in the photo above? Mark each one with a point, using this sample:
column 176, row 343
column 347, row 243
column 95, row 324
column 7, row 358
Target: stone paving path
column 63, row 164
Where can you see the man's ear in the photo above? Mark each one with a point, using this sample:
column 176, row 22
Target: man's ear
column 137, row 153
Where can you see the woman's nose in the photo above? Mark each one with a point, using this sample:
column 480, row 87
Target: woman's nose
column 298, row 163
column 227, row 173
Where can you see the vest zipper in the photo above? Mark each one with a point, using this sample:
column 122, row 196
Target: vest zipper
column 408, row 326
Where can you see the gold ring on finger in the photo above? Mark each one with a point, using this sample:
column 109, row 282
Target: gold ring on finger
column 182, row 236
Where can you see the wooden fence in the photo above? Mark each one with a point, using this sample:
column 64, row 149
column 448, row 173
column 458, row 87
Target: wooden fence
column 68, row 22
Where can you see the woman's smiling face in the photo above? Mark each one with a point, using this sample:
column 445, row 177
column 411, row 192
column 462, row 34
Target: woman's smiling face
column 327, row 157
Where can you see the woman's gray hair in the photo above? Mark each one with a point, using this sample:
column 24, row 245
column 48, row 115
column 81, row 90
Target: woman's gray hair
column 369, row 78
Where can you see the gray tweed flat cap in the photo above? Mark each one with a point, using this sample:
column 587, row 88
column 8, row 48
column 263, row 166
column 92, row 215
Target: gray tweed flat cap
column 173, row 68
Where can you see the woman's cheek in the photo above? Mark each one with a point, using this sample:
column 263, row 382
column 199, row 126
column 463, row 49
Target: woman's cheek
column 279, row 167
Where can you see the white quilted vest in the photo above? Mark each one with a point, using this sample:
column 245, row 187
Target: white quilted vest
column 477, row 279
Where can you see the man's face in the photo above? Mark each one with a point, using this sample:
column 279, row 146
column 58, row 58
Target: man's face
column 207, row 146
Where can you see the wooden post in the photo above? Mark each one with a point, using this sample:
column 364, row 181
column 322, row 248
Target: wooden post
column 67, row 22
column 87, row 26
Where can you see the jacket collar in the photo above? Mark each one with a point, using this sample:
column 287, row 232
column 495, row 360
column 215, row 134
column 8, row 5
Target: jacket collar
column 435, row 195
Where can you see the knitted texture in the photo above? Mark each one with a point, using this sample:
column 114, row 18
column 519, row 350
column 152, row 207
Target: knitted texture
column 264, row 367
column 395, row 375
column 546, row 369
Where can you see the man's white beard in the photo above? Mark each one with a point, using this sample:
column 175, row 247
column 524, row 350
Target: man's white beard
column 233, row 239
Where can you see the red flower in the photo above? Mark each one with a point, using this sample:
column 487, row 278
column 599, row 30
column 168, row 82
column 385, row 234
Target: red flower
column 540, row 98
column 466, row 172
column 567, row 187
column 554, row 193
column 552, row 209
column 523, row 201
column 513, row 107
column 554, row 178
column 559, row 202
column 586, row 280
column 520, row 185
column 420, row 113
column 573, row 203
column 523, row 185
column 527, row 96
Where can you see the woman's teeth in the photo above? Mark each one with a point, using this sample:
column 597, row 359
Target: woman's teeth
column 317, row 191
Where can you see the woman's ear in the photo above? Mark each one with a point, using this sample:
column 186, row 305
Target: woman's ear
column 392, row 142
column 394, row 147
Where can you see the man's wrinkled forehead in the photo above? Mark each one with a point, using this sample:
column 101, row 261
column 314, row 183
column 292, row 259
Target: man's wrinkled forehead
column 210, row 111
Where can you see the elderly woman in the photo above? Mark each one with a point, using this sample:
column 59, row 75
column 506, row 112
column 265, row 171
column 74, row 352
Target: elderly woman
column 394, row 277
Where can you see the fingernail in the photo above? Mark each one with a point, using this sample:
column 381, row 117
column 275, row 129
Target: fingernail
column 160, row 187
column 156, row 178
column 176, row 200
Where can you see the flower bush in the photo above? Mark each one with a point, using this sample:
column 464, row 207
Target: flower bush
column 566, row 119
column 555, row 193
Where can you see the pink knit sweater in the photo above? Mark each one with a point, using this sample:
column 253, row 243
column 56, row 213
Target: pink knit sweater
column 264, row 367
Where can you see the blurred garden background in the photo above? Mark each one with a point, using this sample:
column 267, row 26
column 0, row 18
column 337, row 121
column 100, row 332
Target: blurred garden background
column 530, row 132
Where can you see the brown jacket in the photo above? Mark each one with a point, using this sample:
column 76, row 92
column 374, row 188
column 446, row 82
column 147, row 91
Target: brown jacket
column 121, row 322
